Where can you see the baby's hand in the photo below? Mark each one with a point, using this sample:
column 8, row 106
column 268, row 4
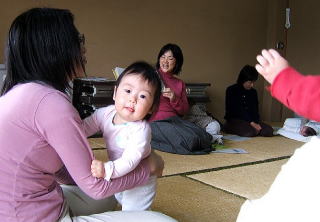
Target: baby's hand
column 270, row 64
column 97, row 169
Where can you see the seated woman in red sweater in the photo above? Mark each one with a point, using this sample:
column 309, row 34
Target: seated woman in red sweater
column 166, row 124
column 173, row 101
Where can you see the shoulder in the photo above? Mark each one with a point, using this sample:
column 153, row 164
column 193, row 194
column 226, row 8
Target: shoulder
column 50, row 104
column 105, row 112
column 47, row 95
column 177, row 84
column 253, row 91
column 234, row 87
column 39, row 90
column 139, row 127
column 178, row 80
column 38, row 97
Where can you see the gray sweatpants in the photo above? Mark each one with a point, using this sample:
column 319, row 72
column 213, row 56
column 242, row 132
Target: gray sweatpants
column 86, row 209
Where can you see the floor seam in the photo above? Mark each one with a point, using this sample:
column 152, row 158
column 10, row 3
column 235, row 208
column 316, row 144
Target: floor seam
column 217, row 188
column 228, row 167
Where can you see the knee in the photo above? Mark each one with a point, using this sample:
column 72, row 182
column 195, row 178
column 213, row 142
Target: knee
column 249, row 133
column 266, row 131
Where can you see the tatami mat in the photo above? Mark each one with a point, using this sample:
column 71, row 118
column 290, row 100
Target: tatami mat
column 259, row 148
column 100, row 154
column 97, row 143
column 211, row 188
column 251, row 181
column 191, row 201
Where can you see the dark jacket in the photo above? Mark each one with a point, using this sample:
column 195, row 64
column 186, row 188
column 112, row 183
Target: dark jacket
column 242, row 104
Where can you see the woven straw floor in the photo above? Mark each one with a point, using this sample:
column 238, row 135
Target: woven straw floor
column 212, row 188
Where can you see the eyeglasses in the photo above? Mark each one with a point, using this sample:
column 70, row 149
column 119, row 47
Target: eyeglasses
column 82, row 39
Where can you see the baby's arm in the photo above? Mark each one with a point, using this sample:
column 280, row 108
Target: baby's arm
column 117, row 168
column 270, row 64
column 136, row 150
column 90, row 124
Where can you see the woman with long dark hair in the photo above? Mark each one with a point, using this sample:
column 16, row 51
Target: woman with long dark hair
column 43, row 143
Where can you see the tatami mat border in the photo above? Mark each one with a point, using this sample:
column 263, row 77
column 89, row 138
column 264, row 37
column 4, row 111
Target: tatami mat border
column 228, row 167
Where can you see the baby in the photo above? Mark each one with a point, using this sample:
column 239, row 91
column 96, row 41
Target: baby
column 127, row 133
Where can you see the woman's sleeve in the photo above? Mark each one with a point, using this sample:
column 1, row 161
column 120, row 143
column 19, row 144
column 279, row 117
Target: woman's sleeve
column 180, row 103
column 60, row 125
column 299, row 93
column 230, row 104
column 63, row 177
column 255, row 114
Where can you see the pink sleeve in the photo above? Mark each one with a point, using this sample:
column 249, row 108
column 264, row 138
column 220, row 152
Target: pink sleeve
column 60, row 125
column 299, row 93
column 63, row 177
column 180, row 103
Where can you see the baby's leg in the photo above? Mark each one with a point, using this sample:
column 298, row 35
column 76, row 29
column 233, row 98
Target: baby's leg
column 118, row 197
column 141, row 197
column 213, row 129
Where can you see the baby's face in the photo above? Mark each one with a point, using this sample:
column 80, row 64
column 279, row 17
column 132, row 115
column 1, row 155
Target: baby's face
column 133, row 99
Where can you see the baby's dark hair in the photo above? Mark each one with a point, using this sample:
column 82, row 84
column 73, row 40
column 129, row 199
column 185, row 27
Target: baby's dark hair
column 148, row 73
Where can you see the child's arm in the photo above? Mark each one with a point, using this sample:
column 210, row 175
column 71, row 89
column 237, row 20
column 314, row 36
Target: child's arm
column 139, row 148
column 271, row 63
column 91, row 124
column 298, row 92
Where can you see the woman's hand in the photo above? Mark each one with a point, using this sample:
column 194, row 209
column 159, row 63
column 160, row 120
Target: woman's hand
column 156, row 164
column 256, row 126
column 271, row 63
column 167, row 92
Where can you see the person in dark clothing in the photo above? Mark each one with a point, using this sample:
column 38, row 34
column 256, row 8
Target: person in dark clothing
column 242, row 107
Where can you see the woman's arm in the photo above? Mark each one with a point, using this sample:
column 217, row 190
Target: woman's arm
column 60, row 125
column 63, row 177
column 231, row 104
column 255, row 107
column 180, row 102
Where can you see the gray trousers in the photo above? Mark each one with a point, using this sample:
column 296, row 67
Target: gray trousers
column 79, row 207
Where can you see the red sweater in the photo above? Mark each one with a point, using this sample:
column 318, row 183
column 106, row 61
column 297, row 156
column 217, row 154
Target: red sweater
column 299, row 93
column 179, row 106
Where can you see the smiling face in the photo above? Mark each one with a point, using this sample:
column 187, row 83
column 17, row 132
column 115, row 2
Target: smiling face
column 133, row 99
column 167, row 62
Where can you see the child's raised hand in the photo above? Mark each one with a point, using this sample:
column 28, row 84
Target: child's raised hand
column 270, row 64
column 97, row 169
